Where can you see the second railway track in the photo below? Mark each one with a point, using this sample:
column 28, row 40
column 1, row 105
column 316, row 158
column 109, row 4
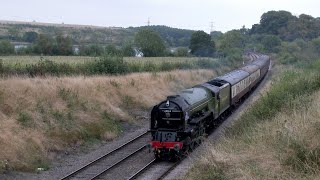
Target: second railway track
column 112, row 160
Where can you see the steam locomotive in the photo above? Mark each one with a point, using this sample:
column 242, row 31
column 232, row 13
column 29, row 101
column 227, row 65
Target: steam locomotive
column 179, row 123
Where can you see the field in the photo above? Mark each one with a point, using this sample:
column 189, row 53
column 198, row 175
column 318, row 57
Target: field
column 23, row 60
column 76, row 65
column 277, row 138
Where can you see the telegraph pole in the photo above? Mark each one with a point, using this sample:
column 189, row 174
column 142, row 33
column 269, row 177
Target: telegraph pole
column 148, row 22
column 211, row 26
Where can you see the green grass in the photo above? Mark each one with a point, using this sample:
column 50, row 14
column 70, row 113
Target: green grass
column 23, row 60
column 63, row 66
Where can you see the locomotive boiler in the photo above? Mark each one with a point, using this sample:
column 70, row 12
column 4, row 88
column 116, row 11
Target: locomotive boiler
column 180, row 122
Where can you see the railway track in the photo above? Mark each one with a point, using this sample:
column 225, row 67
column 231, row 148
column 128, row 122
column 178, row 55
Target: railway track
column 111, row 160
column 155, row 170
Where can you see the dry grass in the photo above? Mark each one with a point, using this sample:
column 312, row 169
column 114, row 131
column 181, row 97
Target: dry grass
column 43, row 115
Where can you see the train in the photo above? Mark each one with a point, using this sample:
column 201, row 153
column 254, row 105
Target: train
column 179, row 123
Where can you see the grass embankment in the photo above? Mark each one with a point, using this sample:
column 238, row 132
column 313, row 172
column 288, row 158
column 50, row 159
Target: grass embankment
column 41, row 116
column 60, row 66
column 277, row 138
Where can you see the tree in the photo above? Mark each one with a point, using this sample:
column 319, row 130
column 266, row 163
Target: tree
column 201, row 44
column 271, row 43
column 13, row 33
column 230, row 40
column 272, row 22
column 64, row 45
column 316, row 44
column 30, row 37
column 215, row 34
column 91, row 50
column 6, row 48
column 44, row 45
column 112, row 50
column 127, row 50
column 181, row 52
column 149, row 43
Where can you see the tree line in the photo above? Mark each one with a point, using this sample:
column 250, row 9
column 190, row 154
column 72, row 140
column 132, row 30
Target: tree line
column 277, row 31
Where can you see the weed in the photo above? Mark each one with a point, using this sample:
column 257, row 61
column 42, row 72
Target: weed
column 92, row 131
column 25, row 119
column 1, row 96
column 154, row 75
column 302, row 158
column 59, row 116
column 114, row 83
column 205, row 171
column 109, row 123
column 132, row 83
column 37, row 159
column 128, row 101
column 70, row 97
column 170, row 77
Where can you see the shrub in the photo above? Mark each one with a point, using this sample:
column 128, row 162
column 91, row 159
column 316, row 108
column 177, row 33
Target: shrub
column 109, row 65
column 24, row 119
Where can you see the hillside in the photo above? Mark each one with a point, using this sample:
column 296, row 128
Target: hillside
column 87, row 34
column 276, row 138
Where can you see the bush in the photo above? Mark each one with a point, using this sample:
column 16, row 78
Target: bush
column 181, row 52
column 108, row 65
column 6, row 48
column 46, row 67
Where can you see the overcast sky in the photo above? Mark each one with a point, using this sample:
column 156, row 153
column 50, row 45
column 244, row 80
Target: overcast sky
column 187, row 14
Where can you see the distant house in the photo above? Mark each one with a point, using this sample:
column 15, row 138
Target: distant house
column 19, row 45
column 76, row 49
column 138, row 53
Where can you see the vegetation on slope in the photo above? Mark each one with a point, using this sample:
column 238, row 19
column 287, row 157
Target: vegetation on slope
column 41, row 116
column 91, row 35
column 277, row 138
